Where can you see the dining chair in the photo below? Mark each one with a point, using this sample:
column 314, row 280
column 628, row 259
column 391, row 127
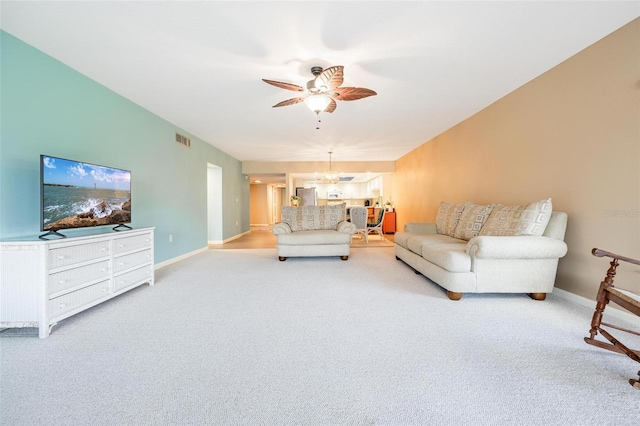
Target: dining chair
column 376, row 227
column 359, row 219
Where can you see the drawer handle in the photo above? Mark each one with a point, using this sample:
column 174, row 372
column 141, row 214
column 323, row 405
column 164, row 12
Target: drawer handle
column 120, row 245
column 104, row 249
column 62, row 306
column 62, row 281
column 121, row 264
column 61, row 257
column 103, row 270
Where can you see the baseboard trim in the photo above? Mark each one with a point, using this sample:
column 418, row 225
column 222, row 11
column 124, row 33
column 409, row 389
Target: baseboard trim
column 611, row 310
column 179, row 258
column 235, row 237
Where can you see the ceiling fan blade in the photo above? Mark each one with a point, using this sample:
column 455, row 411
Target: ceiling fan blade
column 288, row 102
column 330, row 78
column 352, row 93
column 331, row 107
column 282, row 85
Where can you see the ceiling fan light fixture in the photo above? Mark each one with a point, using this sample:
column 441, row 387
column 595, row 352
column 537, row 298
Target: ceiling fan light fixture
column 317, row 103
column 321, row 93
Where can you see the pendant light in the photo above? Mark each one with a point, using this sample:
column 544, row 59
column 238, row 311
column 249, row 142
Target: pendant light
column 330, row 176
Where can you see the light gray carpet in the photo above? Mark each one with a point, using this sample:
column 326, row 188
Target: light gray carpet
column 232, row 337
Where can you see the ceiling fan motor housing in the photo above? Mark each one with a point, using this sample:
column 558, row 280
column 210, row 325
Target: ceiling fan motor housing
column 316, row 71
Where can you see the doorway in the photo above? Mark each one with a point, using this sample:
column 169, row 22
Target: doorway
column 265, row 204
column 214, row 204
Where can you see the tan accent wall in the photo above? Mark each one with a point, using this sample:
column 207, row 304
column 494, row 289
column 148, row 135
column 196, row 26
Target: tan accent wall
column 259, row 204
column 572, row 134
column 265, row 204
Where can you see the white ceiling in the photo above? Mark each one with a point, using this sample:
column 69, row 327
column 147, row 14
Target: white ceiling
column 199, row 64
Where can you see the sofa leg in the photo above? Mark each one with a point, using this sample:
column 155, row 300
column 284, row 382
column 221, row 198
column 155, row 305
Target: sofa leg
column 282, row 258
column 537, row 296
column 635, row 383
column 344, row 257
column 453, row 295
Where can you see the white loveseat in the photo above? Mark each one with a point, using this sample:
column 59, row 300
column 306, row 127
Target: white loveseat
column 314, row 231
column 487, row 248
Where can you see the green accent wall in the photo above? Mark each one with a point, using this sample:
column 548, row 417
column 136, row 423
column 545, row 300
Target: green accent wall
column 48, row 108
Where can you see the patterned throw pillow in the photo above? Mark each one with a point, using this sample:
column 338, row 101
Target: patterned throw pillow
column 530, row 220
column 313, row 217
column 471, row 221
column 448, row 217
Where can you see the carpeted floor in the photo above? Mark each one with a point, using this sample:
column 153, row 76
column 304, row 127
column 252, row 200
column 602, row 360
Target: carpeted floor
column 235, row 337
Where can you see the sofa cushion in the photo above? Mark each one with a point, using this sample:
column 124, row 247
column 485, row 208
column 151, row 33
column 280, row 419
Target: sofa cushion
column 402, row 238
column 313, row 217
column 447, row 218
column 314, row 237
column 521, row 220
column 450, row 256
column 415, row 242
column 471, row 221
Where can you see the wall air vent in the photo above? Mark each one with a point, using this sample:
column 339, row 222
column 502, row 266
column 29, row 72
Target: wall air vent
column 183, row 140
column 346, row 178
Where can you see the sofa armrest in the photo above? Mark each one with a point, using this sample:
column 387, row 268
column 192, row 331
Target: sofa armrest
column 516, row 247
column 346, row 227
column 420, row 228
column 281, row 228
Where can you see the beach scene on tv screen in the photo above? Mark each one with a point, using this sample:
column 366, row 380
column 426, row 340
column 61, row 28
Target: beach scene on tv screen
column 76, row 194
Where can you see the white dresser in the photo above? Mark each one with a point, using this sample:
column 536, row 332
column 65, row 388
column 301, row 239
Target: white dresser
column 43, row 282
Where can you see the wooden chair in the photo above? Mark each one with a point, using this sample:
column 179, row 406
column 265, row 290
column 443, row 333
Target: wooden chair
column 624, row 298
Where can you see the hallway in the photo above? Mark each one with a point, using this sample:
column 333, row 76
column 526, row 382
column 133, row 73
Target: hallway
column 262, row 237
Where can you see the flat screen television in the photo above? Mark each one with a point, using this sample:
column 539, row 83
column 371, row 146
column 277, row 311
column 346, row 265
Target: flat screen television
column 75, row 194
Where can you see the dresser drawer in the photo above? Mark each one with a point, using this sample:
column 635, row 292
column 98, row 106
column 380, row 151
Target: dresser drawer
column 70, row 255
column 123, row 245
column 130, row 278
column 132, row 260
column 74, row 277
column 77, row 299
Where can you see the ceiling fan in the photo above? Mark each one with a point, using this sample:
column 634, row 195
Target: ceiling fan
column 323, row 91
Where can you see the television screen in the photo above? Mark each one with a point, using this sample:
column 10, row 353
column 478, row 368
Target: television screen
column 75, row 194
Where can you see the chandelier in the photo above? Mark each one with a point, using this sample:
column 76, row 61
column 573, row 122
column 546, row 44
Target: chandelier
column 330, row 176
